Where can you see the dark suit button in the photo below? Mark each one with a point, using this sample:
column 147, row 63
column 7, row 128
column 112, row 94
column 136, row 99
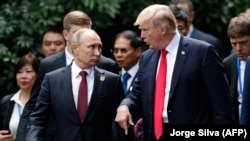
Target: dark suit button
column 169, row 111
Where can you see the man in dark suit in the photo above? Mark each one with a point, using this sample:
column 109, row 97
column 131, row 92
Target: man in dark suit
column 239, row 34
column 195, row 33
column 59, row 96
column 73, row 21
column 195, row 89
column 128, row 47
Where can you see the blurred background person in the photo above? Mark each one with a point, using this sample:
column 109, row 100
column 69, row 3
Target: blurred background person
column 12, row 105
column 239, row 35
column 53, row 41
column 182, row 19
column 188, row 6
column 128, row 47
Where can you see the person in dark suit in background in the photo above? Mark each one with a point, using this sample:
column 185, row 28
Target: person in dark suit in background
column 60, row 91
column 195, row 33
column 73, row 21
column 182, row 19
column 128, row 47
column 195, row 89
column 53, row 41
column 239, row 34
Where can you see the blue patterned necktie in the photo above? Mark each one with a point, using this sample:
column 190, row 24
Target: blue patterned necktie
column 125, row 78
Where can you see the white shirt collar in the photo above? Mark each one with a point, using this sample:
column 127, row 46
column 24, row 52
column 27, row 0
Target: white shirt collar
column 16, row 97
column 69, row 56
column 76, row 70
column 133, row 70
column 172, row 47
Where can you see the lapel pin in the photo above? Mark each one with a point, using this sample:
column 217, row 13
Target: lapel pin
column 102, row 78
column 183, row 52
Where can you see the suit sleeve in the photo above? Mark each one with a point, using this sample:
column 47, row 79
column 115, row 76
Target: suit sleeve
column 217, row 88
column 36, row 129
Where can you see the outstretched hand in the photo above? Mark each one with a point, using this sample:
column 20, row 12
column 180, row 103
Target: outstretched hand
column 124, row 118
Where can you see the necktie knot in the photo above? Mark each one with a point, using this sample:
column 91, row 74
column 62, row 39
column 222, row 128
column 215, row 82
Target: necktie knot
column 125, row 78
column 83, row 74
column 164, row 52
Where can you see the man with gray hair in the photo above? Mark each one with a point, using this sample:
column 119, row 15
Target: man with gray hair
column 82, row 97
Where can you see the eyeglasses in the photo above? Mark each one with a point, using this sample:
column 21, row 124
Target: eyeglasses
column 122, row 50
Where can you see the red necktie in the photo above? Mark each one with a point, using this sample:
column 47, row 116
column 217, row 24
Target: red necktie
column 159, row 95
column 82, row 103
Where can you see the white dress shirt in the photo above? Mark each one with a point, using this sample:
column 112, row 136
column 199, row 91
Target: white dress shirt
column 76, row 80
column 172, row 49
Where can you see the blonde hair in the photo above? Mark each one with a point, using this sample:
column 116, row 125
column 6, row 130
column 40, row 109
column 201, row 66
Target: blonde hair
column 159, row 15
column 76, row 18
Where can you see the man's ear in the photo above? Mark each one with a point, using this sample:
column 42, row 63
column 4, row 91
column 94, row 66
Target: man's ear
column 74, row 48
column 65, row 35
column 164, row 31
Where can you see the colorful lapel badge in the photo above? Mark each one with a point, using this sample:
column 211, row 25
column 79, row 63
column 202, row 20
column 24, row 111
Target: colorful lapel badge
column 102, row 78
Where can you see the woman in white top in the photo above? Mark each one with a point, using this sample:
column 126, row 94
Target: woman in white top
column 11, row 106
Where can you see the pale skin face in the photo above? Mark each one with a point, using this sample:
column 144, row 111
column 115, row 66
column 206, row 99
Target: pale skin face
column 125, row 55
column 52, row 43
column 241, row 46
column 88, row 52
column 152, row 36
column 26, row 77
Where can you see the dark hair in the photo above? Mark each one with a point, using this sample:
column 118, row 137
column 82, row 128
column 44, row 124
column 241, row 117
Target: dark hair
column 180, row 14
column 26, row 59
column 135, row 40
column 55, row 29
column 188, row 2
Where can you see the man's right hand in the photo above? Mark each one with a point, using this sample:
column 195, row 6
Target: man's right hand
column 124, row 118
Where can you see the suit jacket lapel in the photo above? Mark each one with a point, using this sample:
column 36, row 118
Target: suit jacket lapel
column 68, row 91
column 99, row 78
column 182, row 54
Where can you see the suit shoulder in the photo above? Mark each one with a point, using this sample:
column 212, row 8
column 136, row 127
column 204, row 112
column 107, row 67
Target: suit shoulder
column 229, row 58
column 6, row 98
column 52, row 58
column 56, row 72
column 206, row 37
column 106, row 60
column 108, row 73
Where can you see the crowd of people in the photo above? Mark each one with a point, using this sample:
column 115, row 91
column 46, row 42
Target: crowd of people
column 182, row 78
